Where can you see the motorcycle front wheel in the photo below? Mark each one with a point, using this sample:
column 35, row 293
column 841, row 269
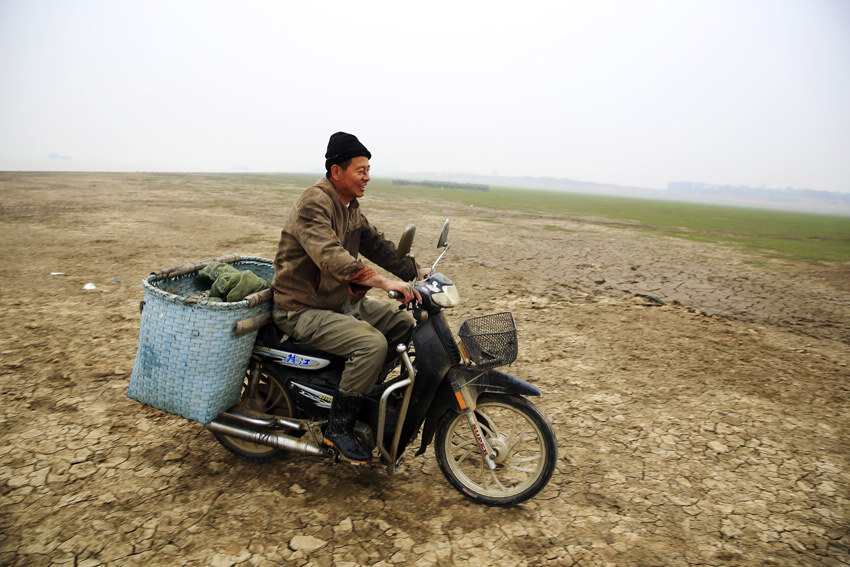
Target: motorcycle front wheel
column 271, row 398
column 522, row 439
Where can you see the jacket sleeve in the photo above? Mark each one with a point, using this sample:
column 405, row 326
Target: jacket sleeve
column 316, row 236
column 375, row 246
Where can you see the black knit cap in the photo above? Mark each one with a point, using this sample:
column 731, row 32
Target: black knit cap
column 344, row 146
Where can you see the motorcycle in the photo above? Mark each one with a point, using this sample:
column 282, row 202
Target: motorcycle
column 491, row 443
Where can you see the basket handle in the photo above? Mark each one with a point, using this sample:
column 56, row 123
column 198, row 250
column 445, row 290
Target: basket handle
column 259, row 297
column 252, row 323
column 191, row 267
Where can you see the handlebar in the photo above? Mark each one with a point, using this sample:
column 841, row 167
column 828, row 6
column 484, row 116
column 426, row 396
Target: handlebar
column 398, row 296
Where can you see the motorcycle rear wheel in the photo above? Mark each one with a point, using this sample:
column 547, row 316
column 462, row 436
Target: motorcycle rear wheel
column 520, row 435
column 271, row 398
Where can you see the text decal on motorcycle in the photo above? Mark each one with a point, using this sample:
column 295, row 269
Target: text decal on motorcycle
column 322, row 400
column 291, row 359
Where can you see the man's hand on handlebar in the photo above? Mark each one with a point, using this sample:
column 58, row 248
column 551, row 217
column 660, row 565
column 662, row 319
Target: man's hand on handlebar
column 402, row 292
column 406, row 292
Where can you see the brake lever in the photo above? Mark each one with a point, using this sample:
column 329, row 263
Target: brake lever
column 396, row 295
column 413, row 304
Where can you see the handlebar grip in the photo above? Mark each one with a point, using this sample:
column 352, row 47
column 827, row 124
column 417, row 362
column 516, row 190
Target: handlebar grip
column 394, row 294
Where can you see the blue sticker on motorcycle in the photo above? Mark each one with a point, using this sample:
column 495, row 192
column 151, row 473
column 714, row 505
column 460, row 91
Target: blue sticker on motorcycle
column 292, row 359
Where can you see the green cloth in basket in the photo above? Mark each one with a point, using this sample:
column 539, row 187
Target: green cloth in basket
column 229, row 283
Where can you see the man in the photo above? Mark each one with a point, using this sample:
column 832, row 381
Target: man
column 320, row 284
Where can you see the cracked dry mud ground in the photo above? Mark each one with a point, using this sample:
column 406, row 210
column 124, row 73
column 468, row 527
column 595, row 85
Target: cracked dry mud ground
column 712, row 430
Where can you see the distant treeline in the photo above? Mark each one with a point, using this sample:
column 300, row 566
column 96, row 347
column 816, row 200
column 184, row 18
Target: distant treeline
column 787, row 195
column 443, row 185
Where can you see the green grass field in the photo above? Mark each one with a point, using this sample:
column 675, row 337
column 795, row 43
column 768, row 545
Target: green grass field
column 796, row 236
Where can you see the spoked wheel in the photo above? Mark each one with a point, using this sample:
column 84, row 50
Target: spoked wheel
column 271, row 398
column 522, row 439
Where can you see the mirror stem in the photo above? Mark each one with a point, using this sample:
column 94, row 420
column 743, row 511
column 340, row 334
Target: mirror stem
column 443, row 253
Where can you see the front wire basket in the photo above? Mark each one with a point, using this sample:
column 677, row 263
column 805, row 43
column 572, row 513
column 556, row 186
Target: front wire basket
column 490, row 340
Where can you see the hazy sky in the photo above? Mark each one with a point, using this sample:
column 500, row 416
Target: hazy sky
column 740, row 92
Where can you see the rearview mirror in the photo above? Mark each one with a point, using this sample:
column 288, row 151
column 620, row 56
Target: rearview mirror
column 406, row 241
column 444, row 236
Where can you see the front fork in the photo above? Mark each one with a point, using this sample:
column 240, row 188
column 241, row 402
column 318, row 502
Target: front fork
column 466, row 403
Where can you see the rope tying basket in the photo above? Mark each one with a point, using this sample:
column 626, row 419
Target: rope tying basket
column 193, row 353
column 490, row 340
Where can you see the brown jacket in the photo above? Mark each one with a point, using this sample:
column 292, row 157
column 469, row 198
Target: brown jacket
column 318, row 251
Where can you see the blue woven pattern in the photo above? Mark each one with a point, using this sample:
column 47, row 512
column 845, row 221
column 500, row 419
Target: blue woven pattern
column 189, row 361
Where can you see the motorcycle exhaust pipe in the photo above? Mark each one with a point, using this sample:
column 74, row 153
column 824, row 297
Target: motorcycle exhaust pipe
column 265, row 437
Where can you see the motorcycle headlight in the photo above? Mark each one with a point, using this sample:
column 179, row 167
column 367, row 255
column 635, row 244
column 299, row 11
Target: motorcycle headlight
column 448, row 297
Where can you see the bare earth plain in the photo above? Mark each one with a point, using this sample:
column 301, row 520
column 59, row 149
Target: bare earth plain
column 710, row 430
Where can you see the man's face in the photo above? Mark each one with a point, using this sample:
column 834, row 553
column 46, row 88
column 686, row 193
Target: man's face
column 351, row 182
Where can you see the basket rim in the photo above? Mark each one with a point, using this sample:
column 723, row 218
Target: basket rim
column 147, row 284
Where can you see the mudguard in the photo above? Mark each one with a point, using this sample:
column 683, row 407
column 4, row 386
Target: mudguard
column 495, row 381
column 478, row 382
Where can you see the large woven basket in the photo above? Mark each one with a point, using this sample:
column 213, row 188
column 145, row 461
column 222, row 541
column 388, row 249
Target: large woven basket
column 193, row 353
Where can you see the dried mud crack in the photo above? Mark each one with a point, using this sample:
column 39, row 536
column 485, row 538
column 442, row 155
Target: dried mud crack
column 700, row 399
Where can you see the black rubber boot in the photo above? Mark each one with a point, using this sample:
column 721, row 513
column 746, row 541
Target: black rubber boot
column 340, row 430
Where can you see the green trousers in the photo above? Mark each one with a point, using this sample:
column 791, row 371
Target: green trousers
column 361, row 333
